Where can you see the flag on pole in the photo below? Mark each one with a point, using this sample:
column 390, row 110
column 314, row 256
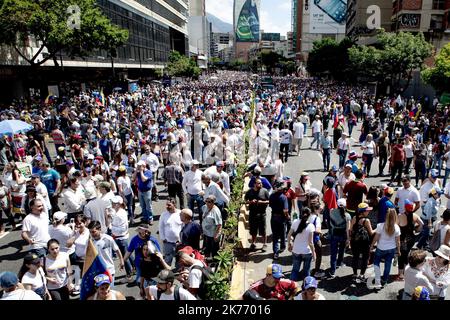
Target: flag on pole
column 102, row 98
column 49, row 99
column 279, row 110
column 169, row 107
column 93, row 266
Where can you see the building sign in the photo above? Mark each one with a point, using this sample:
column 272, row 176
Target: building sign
column 328, row 16
column 411, row 4
column 306, row 5
column 246, row 20
column 409, row 20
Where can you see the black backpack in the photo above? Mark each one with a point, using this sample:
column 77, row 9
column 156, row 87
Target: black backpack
column 206, row 275
column 338, row 230
column 176, row 294
column 359, row 232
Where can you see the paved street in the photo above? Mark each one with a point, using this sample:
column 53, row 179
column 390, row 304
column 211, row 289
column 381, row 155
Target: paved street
column 12, row 248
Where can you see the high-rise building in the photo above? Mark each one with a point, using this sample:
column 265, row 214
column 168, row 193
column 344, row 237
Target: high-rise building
column 199, row 31
column 197, row 8
column 432, row 17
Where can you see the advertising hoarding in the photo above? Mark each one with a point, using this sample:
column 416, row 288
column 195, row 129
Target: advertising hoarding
column 328, row 16
column 246, row 20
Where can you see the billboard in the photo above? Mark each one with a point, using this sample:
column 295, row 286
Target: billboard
column 246, row 20
column 328, row 16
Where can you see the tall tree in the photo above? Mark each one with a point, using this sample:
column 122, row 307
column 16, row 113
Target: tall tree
column 181, row 66
column 439, row 75
column 393, row 58
column 77, row 27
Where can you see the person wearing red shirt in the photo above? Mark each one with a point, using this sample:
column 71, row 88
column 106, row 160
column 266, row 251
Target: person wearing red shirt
column 274, row 286
column 398, row 157
column 290, row 195
column 329, row 199
column 354, row 192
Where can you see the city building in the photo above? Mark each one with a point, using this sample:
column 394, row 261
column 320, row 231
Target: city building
column 310, row 21
column 155, row 28
column 431, row 17
column 270, row 36
column 199, row 29
column 361, row 25
column 221, row 41
column 246, row 26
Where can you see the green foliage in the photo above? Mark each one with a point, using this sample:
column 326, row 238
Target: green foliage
column 330, row 57
column 439, row 75
column 47, row 22
column 181, row 66
column 393, row 58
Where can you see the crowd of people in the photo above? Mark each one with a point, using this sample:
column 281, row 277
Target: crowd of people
column 110, row 152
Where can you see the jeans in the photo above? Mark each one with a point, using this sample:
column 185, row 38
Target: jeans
column 326, row 158
column 337, row 248
column 211, row 246
column 145, row 200
column 368, row 159
column 297, row 259
column 397, row 168
column 350, row 129
column 425, row 233
column 342, row 157
column 123, row 245
column 421, row 173
column 169, row 251
column 447, row 171
column 192, row 199
column 388, row 256
column 130, row 199
column 284, row 151
column 437, row 163
column 360, row 248
column 316, row 139
column 277, row 223
column 304, row 127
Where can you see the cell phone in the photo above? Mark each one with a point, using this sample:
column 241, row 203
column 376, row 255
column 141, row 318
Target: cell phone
column 72, row 220
column 335, row 9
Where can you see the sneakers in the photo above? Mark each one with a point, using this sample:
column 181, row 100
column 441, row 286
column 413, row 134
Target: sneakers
column 355, row 278
column 319, row 274
column 331, row 276
column 362, row 278
column 376, row 286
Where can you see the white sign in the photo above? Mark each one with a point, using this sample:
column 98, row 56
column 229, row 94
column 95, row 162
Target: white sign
column 328, row 16
column 53, row 91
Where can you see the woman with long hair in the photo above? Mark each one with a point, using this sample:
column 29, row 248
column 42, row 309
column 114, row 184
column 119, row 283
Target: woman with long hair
column 387, row 236
column 58, row 271
column 302, row 191
column 32, row 276
column 360, row 235
column 125, row 190
column 302, row 248
column 369, row 152
column 80, row 242
column 151, row 264
column 409, row 147
column 17, row 187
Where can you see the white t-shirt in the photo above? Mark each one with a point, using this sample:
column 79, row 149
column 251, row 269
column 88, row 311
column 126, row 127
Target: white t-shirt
column 105, row 246
column 37, row 228
column 387, row 242
column 409, row 150
column 81, row 241
column 301, row 241
column 298, row 130
column 370, row 147
column 21, row 294
column 447, row 162
column 425, row 190
column 195, row 276
column 57, row 269
column 300, row 296
column 36, row 280
column 184, row 294
column 316, row 126
column 125, row 183
column 170, row 226
column 402, row 194
column 447, row 192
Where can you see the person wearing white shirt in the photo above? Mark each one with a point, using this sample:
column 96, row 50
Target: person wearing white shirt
column 35, row 228
column 42, row 190
column 192, row 187
column 414, row 276
column 316, row 131
column 62, row 233
column 285, row 142
column 170, row 226
column 274, row 141
column 165, row 289
column 431, row 182
column 73, row 198
column 10, row 285
column 298, row 135
column 407, row 192
column 119, row 231
column 212, row 188
column 343, row 145
column 153, row 163
column 224, row 178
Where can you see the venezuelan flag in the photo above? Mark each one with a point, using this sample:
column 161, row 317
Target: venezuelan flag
column 49, row 99
column 93, row 266
column 102, row 98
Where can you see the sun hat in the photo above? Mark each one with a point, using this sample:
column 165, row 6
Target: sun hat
column 443, row 252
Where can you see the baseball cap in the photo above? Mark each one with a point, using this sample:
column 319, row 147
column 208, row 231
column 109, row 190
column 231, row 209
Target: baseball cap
column 334, row 168
column 309, row 282
column 409, row 205
column 117, row 199
column 195, row 162
column 342, row 202
column 122, row 168
column 352, row 154
column 8, row 279
column 101, row 279
column 389, row 191
column 348, row 165
column 38, row 158
column 141, row 163
column 90, row 157
column 31, row 258
column 35, row 175
column 88, row 169
column 329, row 182
column 220, row 164
column 304, row 174
column 364, row 207
column 435, row 190
column 69, row 162
column 275, row 270
column 59, row 215
column 421, row 293
column 257, row 169
column 165, row 276
column 434, row 173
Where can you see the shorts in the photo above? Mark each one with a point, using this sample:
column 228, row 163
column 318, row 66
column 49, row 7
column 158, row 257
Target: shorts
column 257, row 222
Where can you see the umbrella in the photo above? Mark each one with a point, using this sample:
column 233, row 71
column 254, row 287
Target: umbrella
column 10, row 127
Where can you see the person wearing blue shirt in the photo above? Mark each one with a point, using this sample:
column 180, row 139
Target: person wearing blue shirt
column 385, row 204
column 105, row 147
column 145, row 184
column 278, row 202
column 52, row 180
column 137, row 242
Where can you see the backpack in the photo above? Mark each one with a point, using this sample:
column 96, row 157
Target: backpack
column 176, row 294
column 206, row 276
column 338, row 230
column 435, row 241
column 359, row 232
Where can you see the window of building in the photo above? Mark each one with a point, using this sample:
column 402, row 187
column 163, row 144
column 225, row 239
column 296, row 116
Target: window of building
column 438, row 4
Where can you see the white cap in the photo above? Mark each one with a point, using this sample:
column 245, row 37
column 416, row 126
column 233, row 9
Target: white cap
column 117, row 199
column 195, row 162
column 141, row 163
column 90, row 157
column 342, row 202
column 59, row 215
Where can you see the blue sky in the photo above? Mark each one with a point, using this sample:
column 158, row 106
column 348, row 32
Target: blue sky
column 275, row 14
